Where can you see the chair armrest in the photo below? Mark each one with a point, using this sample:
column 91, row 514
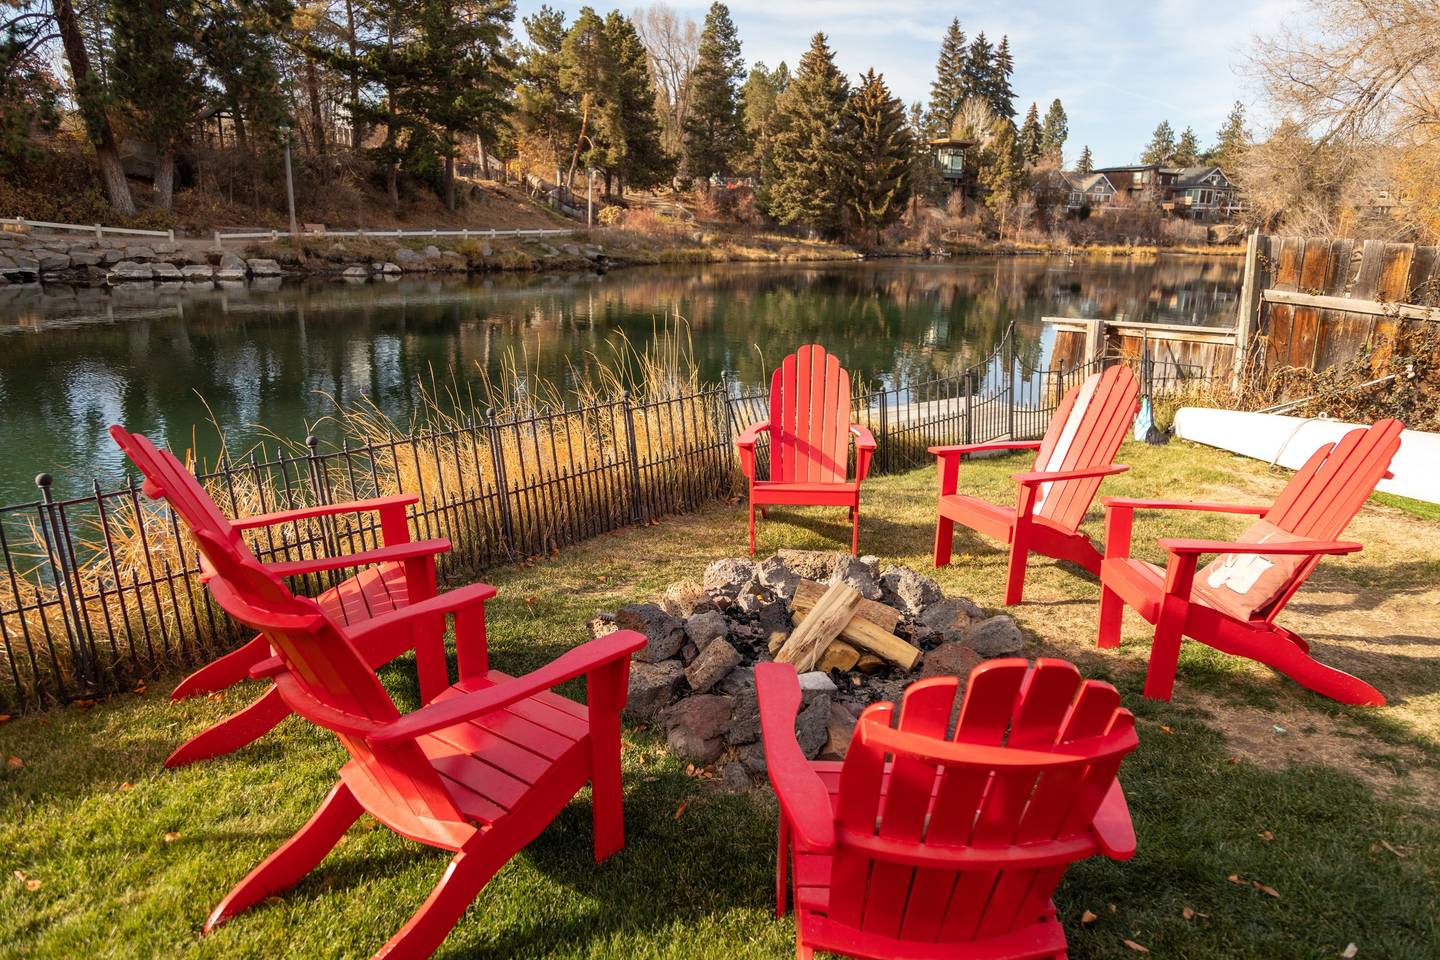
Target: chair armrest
column 751, row 434
column 1114, row 833
column 964, row 448
column 383, row 638
column 375, row 505
column 1129, row 503
column 469, row 705
column 365, row 558
column 1290, row 548
column 1036, row 477
column 804, row 801
column 864, row 439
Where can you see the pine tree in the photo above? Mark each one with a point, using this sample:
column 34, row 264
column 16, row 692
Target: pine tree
column 1187, row 149
column 875, row 166
column 1000, row 94
column 925, row 180
column 1086, row 163
column 977, row 73
column 714, row 125
column 1230, row 141
column 642, row 162
column 1055, row 131
column 1002, row 172
column 587, row 71
column 947, row 92
column 1162, row 145
column 758, row 97
column 807, row 142
column 1031, row 136
column 547, row 114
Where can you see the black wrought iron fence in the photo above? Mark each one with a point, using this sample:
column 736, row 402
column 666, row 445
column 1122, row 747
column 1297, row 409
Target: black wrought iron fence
column 99, row 592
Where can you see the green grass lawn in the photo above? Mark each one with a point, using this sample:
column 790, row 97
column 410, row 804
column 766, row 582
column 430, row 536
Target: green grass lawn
column 1244, row 774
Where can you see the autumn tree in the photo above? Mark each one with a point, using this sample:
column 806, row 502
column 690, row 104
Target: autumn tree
column 714, row 129
column 672, row 44
column 875, row 166
column 807, row 142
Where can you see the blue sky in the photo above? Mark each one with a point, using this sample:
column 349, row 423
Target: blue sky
column 1119, row 67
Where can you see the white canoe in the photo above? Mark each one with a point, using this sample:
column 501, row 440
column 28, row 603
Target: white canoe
column 1289, row 442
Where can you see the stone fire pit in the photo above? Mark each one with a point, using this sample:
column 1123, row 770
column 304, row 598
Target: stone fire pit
column 695, row 677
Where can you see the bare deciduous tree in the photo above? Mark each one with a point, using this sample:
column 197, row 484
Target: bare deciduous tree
column 672, row 43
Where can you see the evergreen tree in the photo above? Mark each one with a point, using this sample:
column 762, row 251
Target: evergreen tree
column 1230, row 141
column 925, row 180
column 1054, row 131
column 638, row 159
column 1187, row 149
column 758, row 98
column 977, row 73
column 714, row 125
column 587, row 73
column 155, row 76
column 947, row 92
column 807, row 142
column 875, row 166
column 1162, row 145
column 547, row 114
column 1002, row 172
column 999, row 92
column 1086, row 164
column 1031, row 136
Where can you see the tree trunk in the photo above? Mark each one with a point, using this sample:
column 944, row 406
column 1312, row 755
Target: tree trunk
column 450, row 180
column 317, row 120
column 357, row 133
column 392, row 184
column 164, row 178
column 575, row 155
column 97, row 123
column 483, row 156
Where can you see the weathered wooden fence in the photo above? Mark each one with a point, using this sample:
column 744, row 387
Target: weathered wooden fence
column 1317, row 303
column 99, row 591
column 1168, row 357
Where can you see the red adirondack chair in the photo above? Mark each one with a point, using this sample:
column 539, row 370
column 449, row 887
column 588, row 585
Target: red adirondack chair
column 810, row 432
column 1075, row 455
column 1232, row 603
column 923, row 846
column 389, row 578
column 480, row 770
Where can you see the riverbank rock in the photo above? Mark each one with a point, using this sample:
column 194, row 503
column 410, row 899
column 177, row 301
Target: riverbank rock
column 230, row 267
column 166, row 272
column 260, row 267
column 196, row 272
column 356, row 272
column 128, row 271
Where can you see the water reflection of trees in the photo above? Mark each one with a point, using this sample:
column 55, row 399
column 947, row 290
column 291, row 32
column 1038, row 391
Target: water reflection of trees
column 146, row 355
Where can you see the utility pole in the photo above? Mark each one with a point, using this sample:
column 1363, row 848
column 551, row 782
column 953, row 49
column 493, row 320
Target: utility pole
column 290, row 184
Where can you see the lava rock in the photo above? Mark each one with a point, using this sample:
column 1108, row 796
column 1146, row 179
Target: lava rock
column 774, row 618
column 952, row 617
column 664, row 635
column 652, row 687
column 908, row 591
column 812, row 727
column 995, row 637
column 777, row 577
column 855, row 573
column 744, row 714
column 716, row 659
column 752, row 758
column 734, row 777
column 952, row 659
column 728, row 576
column 601, row 625
column 839, row 729
column 685, row 599
column 752, row 597
column 695, row 727
column 704, row 628
column 810, row 564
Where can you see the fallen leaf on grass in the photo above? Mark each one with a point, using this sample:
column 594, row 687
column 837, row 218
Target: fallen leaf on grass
column 1350, row 952
column 1165, row 729
column 14, row 763
column 1187, row 913
column 216, row 697
column 172, row 836
column 1383, row 845
column 681, row 809
column 30, row 883
column 126, row 787
column 1232, row 759
column 1136, row 947
column 1235, row 878
column 1088, row 917
column 1112, row 907
column 5, row 718
column 1269, row 891
column 1266, row 835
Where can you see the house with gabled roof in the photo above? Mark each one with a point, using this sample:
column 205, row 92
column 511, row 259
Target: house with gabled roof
column 1091, row 191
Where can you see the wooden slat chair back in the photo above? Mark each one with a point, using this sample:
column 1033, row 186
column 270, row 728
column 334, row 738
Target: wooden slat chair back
column 810, row 431
column 1076, row 454
column 388, row 578
column 951, row 844
column 479, row 770
column 810, row 418
column 1313, row 509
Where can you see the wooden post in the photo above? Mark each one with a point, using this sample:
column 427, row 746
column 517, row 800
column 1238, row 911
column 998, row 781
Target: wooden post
column 1248, row 308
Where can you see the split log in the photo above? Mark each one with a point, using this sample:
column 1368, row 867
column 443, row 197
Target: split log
column 866, row 630
column 822, row 623
column 838, row 656
column 869, row 663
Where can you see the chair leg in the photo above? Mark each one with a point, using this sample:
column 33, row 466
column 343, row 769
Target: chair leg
column 296, row 857
column 223, row 672
column 1015, row 579
column 944, row 540
column 1112, row 617
column 607, row 794
column 782, row 864
column 240, row 729
column 464, row 878
column 752, row 528
column 855, row 530
column 1165, row 650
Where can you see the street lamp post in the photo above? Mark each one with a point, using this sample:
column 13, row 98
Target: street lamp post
column 290, row 184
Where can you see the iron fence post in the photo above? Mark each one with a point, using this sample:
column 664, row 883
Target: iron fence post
column 637, row 513
column 883, row 441
column 969, row 405
column 1010, row 377
column 61, row 577
column 502, row 487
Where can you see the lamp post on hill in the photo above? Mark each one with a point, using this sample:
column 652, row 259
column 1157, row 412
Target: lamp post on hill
column 289, row 184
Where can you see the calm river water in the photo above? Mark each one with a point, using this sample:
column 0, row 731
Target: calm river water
column 166, row 361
